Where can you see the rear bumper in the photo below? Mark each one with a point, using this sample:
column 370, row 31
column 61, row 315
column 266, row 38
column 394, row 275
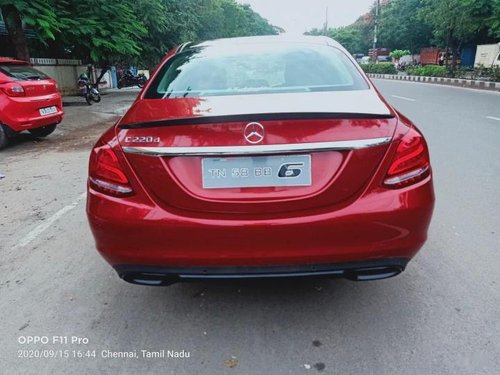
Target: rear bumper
column 358, row 271
column 383, row 224
column 24, row 113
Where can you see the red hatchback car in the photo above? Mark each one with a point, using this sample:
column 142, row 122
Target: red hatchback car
column 29, row 100
column 259, row 157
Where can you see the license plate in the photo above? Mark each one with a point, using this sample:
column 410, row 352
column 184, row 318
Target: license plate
column 256, row 171
column 48, row 110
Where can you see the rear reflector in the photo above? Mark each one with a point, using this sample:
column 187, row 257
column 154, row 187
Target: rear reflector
column 411, row 162
column 106, row 174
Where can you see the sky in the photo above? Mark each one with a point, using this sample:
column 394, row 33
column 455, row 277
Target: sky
column 297, row 16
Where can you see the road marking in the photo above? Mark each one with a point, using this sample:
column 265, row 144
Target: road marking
column 34, row 233
column 404, row 98
column 493, row 118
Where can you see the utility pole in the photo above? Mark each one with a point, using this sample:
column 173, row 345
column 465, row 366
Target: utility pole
column 377, row 6
column 325, row 31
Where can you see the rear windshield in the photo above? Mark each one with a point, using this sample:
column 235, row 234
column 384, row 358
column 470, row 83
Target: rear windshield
column 255, row 69
column 22, row 72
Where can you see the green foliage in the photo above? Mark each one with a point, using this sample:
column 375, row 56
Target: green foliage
column 455, row 22
column 98, row 30
column 428, row 71
column 494, row 20
column 379, row 68
column 133, row 31
column 351, row 37
column 398, row 53
column 399, row 27
column 38, row 14
column 491, row 74
column 414, row 24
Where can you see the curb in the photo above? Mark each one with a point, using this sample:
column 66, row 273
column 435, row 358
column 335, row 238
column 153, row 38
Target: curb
column 470, row 83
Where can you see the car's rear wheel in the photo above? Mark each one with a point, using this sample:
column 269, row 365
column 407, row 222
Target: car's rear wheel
column 4, row 139
column 43, row 131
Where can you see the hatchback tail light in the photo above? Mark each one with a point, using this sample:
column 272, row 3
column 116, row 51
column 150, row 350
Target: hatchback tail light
column 411, row 162
column 13, row 89
column 106, row 174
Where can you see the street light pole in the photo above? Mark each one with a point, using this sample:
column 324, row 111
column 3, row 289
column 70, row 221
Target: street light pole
column 376, row 25
column 325, row 31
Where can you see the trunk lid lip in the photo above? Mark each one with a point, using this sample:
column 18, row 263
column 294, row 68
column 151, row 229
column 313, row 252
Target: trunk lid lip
column 333, row 104
column 249, row 117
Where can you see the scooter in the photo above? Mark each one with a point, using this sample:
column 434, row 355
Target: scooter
column 87, row 90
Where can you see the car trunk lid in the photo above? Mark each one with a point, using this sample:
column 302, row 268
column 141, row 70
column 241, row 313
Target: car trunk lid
column 338, row 140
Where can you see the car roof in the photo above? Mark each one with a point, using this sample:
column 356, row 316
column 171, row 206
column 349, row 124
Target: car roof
column 272, row 39
column 8, row 60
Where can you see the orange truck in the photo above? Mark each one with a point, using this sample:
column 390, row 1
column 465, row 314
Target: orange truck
column 430, row 55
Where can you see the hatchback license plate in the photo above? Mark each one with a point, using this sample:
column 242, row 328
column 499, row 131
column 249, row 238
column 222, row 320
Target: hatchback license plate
column 48, row 110
column 256, row 171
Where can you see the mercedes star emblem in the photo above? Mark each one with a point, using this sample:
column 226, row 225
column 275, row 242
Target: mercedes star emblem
column 254, row 132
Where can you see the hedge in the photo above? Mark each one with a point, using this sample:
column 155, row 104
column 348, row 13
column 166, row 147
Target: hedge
column 428, row 71
column 380, row 68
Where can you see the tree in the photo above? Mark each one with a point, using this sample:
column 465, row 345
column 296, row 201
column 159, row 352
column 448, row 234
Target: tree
column 129, row 31
column 156, row 19
column 401, row 29
column 456, row 21
column 494, row 20
column 98, row 30
column 398, row 53
column 197, row 20
column 349, row 36
column 35, row 13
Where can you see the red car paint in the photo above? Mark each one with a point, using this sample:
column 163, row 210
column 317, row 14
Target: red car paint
column 365, row 214
column 20, row 109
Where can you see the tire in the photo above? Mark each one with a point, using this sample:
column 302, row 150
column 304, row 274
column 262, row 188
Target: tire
column 96, row 98
column 88, row 99
column 4, row 139
column 142, row 82
column 43, row 131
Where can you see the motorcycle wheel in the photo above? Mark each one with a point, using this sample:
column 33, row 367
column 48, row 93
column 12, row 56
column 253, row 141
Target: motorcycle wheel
column 96, row 97
column 88, row 99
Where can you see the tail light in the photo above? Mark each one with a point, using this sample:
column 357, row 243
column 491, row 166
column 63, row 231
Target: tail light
column 411, row 162
column 13, row 89
column 106, row 174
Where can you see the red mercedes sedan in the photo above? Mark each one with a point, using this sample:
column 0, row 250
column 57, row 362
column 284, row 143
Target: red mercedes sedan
column 29, row 100
column 259, row 157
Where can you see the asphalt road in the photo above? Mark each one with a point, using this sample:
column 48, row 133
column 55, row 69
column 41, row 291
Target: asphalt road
column 441, row 316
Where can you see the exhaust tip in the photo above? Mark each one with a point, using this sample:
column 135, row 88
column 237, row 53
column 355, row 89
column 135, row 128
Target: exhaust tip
column 148, row 279
column 373, row 273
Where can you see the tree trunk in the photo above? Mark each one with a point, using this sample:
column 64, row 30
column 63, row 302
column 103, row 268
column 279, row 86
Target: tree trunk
column 454, row 50
column 14, row 26
column 104, row 69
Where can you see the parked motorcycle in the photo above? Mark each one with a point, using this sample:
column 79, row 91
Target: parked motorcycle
column 128, row 79
column 87, row 90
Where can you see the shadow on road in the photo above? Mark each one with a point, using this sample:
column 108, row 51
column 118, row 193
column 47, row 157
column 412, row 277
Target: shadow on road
column 75, row 104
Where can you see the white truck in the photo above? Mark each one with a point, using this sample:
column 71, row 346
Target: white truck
column 487, row 55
